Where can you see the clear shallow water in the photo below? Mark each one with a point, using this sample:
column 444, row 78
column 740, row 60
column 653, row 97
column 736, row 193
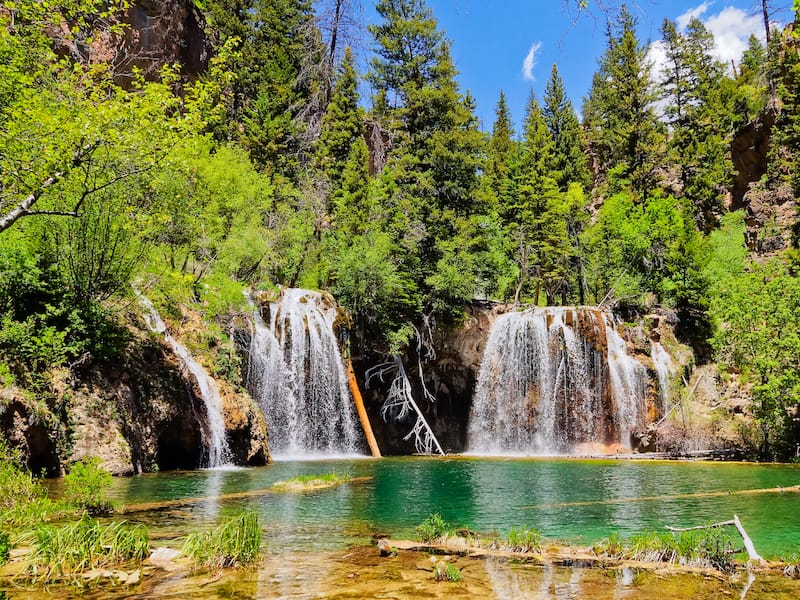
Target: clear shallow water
column 484, row 494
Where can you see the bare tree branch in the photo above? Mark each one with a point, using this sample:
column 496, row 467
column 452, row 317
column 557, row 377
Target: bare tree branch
column 24, row 208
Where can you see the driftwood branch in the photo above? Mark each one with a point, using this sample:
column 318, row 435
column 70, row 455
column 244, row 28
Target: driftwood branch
column 735, row 522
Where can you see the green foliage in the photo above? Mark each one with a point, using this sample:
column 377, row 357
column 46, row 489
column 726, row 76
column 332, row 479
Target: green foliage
column 445, row 571
column 23, row 499
column 524, row 539
column 710, row 547
column 432, row 529
column 619, row 114
column 67, row 551
column 235, row 543
column 757, row 333
column 85, row 487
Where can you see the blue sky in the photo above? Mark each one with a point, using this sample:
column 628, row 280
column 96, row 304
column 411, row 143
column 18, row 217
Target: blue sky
column 491, row 40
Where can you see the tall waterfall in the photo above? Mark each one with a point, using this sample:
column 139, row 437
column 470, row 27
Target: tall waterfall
column 216, row 452
column 552, row 379
column 297, row 375
column 664, row 367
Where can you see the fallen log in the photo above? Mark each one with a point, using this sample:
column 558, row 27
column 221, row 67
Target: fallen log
column 362, row 411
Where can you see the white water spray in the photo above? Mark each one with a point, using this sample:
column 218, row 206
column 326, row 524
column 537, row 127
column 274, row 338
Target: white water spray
column 554, row 378
column 297, row 376
column 664, row 368
column 215, row 445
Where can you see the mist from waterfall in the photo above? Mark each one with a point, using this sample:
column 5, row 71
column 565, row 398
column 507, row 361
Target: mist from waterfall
column 552, row 379
column 216, row 452
column 296, row 374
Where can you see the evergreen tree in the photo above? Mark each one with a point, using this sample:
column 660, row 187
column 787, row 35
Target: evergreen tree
column 569, row 161
column 619, row 115
column 342, row 124
column 501, row 151
column 537, row 220
column 697, row 110
column 274, row 83
column 437, row 146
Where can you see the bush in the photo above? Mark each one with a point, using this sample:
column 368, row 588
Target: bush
column 432, row 529
column 85, row 487
column 234, row 543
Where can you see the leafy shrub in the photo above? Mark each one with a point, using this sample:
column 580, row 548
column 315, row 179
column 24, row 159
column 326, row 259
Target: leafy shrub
column 432, row 529
column 23, row 499
column 85, row 487
column 234, row 543
column 69, row 550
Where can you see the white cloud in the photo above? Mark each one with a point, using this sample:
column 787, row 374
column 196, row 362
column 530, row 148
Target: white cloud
column 692, row 13
column 530, row 62
column 731, row 28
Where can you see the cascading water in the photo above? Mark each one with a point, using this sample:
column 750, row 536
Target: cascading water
column 297, row 375
column 216, row 451
column 552, row 379
column 664, row 368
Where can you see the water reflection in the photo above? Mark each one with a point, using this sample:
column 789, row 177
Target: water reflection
column 565, row 499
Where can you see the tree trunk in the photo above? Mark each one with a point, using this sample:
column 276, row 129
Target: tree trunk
column 362, row 411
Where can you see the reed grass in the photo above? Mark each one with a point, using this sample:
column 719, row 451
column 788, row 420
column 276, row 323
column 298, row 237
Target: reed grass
column 433, row 528
column 235, row 543
column 67, row 551
column 711, row 548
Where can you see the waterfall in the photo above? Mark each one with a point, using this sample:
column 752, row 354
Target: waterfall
column 296, row 374
column 664, row 367
column 552, row 379
column 216, row 452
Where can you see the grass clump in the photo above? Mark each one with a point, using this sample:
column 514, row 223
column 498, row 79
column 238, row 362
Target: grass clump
column 235, row 543
column 711, row 548
column 85, row 487
column 311, row 482
column 432, row 529
column 524, row 539
column 67, row 551
column 444, row 571
column 5, row 547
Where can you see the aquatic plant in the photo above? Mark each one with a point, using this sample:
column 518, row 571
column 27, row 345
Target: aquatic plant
column 711, row 547
column 444, row 571
column 432, row 529
column 67, row 551
column 524, row 540
column 309, row 482
column 85, row 487
column 235, row 543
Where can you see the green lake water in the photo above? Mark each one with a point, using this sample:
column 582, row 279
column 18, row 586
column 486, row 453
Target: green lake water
column 484, row 494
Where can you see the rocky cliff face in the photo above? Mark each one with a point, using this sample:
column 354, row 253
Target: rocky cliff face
column 138, row 415
column 154, row 33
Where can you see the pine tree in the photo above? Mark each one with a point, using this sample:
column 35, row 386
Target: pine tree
column 436, row 142
column 697, row 111
column 569, row 160
column 342, row 124
column 274, row 83
column 619, row 115
column 537, row 220
column 501, row 153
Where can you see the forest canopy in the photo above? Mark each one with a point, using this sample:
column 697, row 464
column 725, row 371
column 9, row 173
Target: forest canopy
column 267, row 168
